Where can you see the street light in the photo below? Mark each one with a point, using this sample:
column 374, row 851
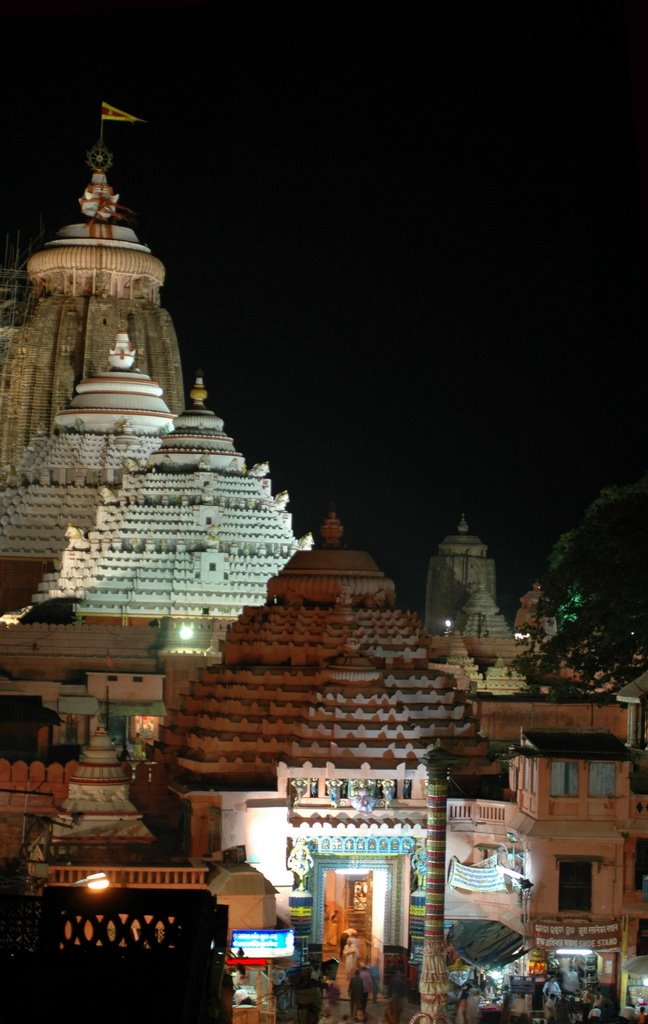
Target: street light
column 96, row 881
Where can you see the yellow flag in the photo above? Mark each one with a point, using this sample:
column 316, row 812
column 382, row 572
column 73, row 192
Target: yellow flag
column 110, row 113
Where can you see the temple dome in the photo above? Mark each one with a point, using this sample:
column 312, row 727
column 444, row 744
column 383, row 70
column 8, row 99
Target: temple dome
column 332, row 574
column 198, row 437
column 99, row 764
column 463, row 542
column 95, row 254
column 101, row 253
column 122, row 399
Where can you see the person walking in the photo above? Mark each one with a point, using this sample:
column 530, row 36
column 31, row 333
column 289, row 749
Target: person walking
column 332, row 994
column 351, row 955
column 461, row 1014
column 397, row 994
column 473, row 1012
column 365, row 974
column 374, row 970
column 332, row 929
column 356, row 994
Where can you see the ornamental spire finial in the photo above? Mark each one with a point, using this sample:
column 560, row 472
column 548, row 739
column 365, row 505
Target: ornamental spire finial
column 332, row 530
column 198, row 392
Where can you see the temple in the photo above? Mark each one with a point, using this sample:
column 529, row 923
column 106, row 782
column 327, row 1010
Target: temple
column 461, row 588
column 94, row 279
column 192, row 698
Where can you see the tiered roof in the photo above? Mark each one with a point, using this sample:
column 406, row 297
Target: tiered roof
column 326, row 672
column 98, row 806
column 188, row 532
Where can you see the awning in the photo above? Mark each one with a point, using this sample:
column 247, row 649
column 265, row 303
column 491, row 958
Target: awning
column 636, row 965
column 122, row 709
column 486, row 942
column 27, row 709
column 78, row 705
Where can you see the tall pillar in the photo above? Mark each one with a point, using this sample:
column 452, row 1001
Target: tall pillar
column 433, row 984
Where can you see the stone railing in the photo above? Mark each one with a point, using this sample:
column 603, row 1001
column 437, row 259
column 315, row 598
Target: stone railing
column 476, row 812
column 170, row 877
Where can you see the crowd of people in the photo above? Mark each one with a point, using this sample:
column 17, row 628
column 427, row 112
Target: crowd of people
column 569, row 1000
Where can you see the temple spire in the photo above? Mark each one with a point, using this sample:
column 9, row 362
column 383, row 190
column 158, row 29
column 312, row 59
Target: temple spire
column 331, row 530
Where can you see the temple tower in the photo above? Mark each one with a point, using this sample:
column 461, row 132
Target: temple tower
column 93, row 280
column 461, row 588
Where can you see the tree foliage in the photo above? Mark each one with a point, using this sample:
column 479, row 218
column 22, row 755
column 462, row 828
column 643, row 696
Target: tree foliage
column 596, row 591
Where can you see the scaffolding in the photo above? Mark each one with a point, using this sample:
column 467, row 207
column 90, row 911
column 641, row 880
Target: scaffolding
column 16, row 292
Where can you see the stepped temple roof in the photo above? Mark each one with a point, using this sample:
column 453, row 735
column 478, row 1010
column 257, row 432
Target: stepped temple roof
column 326, row 672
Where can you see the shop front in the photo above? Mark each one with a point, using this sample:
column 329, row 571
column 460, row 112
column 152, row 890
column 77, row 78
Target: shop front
column 581, row 955
column 258, row 957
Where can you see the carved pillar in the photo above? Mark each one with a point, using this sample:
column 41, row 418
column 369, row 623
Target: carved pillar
column 433, row 984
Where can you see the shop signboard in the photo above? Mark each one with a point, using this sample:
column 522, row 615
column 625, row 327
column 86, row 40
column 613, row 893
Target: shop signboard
column 552, row 934
column 522, row 986
column 265, row 943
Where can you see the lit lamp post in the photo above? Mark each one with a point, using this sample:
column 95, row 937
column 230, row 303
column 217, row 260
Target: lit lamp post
column 96, row 881
column 433, row 984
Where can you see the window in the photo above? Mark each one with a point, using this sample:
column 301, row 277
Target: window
column 530, row 774
column 601, row 778
column 564, row 778
column 214, row 829
column 575, row 885
column 641, row 862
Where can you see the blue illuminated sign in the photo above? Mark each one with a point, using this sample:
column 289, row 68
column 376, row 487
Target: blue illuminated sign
column 263, row 943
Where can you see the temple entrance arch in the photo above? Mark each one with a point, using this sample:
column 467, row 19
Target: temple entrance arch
column 378, row 903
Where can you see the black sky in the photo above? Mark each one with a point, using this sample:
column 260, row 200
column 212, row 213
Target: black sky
column 403, row 241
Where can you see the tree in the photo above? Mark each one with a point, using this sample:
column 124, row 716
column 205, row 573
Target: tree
column 596, row 591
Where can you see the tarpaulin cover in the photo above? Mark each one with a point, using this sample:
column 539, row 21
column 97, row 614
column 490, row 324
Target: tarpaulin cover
column 486, row 942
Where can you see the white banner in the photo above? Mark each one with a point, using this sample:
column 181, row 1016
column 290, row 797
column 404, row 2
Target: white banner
column 481, row 877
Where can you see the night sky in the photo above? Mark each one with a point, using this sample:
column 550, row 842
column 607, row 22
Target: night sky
column 405, row 243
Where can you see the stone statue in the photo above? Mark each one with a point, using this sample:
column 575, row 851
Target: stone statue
column 281, row 499
column 300, row 862
column 418, row 864
column 107, row 495
column 76, row 539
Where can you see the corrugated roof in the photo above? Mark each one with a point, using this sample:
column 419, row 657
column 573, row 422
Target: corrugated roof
column 599, row 745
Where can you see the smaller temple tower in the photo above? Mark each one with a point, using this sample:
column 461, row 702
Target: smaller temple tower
column 461, row 590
